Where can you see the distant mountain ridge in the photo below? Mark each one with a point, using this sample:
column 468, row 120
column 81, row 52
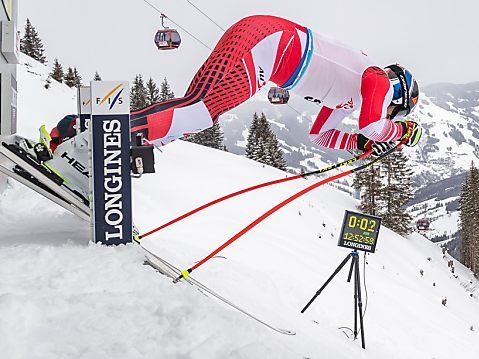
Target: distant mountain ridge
column 455, row 97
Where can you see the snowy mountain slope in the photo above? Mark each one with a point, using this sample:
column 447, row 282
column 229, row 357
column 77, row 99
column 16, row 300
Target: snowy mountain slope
column 449, row 145
column 62, row 298
column 463, row 99
column 36, row 104
column 437, row 200
column 276, row 268
column 74, row 294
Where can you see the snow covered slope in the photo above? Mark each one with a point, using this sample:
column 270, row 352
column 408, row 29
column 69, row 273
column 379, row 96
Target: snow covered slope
column 277, row 267
column 36, row 104
column 61, row 297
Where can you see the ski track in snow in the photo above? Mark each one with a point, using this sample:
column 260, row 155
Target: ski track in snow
column 61, row 297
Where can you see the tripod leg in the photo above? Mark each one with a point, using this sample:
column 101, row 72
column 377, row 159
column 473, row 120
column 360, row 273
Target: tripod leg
column 360, row 302
column 351, row 269
column 354, row 265
column 343, row 263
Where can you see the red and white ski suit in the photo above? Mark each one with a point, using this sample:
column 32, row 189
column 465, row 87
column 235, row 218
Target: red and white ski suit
column 258, row 49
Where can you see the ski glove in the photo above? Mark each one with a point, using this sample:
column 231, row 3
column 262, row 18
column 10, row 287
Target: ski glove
column 379, row 148
column 412, row 132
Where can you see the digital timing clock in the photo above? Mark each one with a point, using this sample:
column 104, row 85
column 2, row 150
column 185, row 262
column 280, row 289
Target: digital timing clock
column 359, row 231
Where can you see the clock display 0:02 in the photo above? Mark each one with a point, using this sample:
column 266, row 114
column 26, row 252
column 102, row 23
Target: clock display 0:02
column 364, row 224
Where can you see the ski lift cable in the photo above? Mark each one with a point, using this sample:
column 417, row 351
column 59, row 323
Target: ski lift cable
column 177, row 25
column 206, row 15
column 291, row 107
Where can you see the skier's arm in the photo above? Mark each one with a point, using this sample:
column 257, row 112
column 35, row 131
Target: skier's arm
column 377, row 92
column 324, row 132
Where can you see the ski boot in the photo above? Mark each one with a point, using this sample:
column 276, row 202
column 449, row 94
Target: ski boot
column 38, row 151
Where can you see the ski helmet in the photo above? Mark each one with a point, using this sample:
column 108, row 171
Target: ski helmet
column 406, row 90
column 66, row 126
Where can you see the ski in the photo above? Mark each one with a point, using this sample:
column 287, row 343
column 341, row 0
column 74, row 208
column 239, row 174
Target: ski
column 31, row 182
column 172, row 272
column 21, row 158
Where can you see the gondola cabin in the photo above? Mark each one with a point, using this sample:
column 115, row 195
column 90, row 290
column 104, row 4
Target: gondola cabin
column 278, row 96
column 422, row 224
column 167, row 39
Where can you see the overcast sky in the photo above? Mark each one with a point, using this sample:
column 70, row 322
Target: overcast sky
column 438, row 40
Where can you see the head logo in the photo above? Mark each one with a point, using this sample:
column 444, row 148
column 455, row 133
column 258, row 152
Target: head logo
column 111, row 98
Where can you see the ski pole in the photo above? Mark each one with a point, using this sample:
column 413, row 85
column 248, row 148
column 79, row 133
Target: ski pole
column 252, row 188
column 186, row 273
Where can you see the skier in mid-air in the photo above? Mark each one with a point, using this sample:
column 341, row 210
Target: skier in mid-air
column 261, row 48
column 258, row 49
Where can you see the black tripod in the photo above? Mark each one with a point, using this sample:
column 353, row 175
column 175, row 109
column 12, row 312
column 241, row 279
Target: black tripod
column 358, row 303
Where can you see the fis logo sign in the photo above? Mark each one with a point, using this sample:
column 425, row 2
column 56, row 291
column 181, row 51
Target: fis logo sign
column 112, row 97
column 109, row 98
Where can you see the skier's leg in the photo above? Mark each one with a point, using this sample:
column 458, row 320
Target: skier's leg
column 325, row 130
column 252, row 52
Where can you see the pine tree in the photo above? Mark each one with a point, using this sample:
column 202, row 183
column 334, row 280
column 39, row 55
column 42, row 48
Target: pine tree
column 469, row 215
column 369, row 182
column 138, row 94
column 77, row 77
column 31, row 44
column 396, row 192
column 152, row 92
column 69, row 78
column 26, row 42
column 262, row 144
column 57, row 71
column 474, row 240
column 97, row 76
column 211, row 137
column 251, row 141
column 276, row 154
column 165, row 91
column 465, row 217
